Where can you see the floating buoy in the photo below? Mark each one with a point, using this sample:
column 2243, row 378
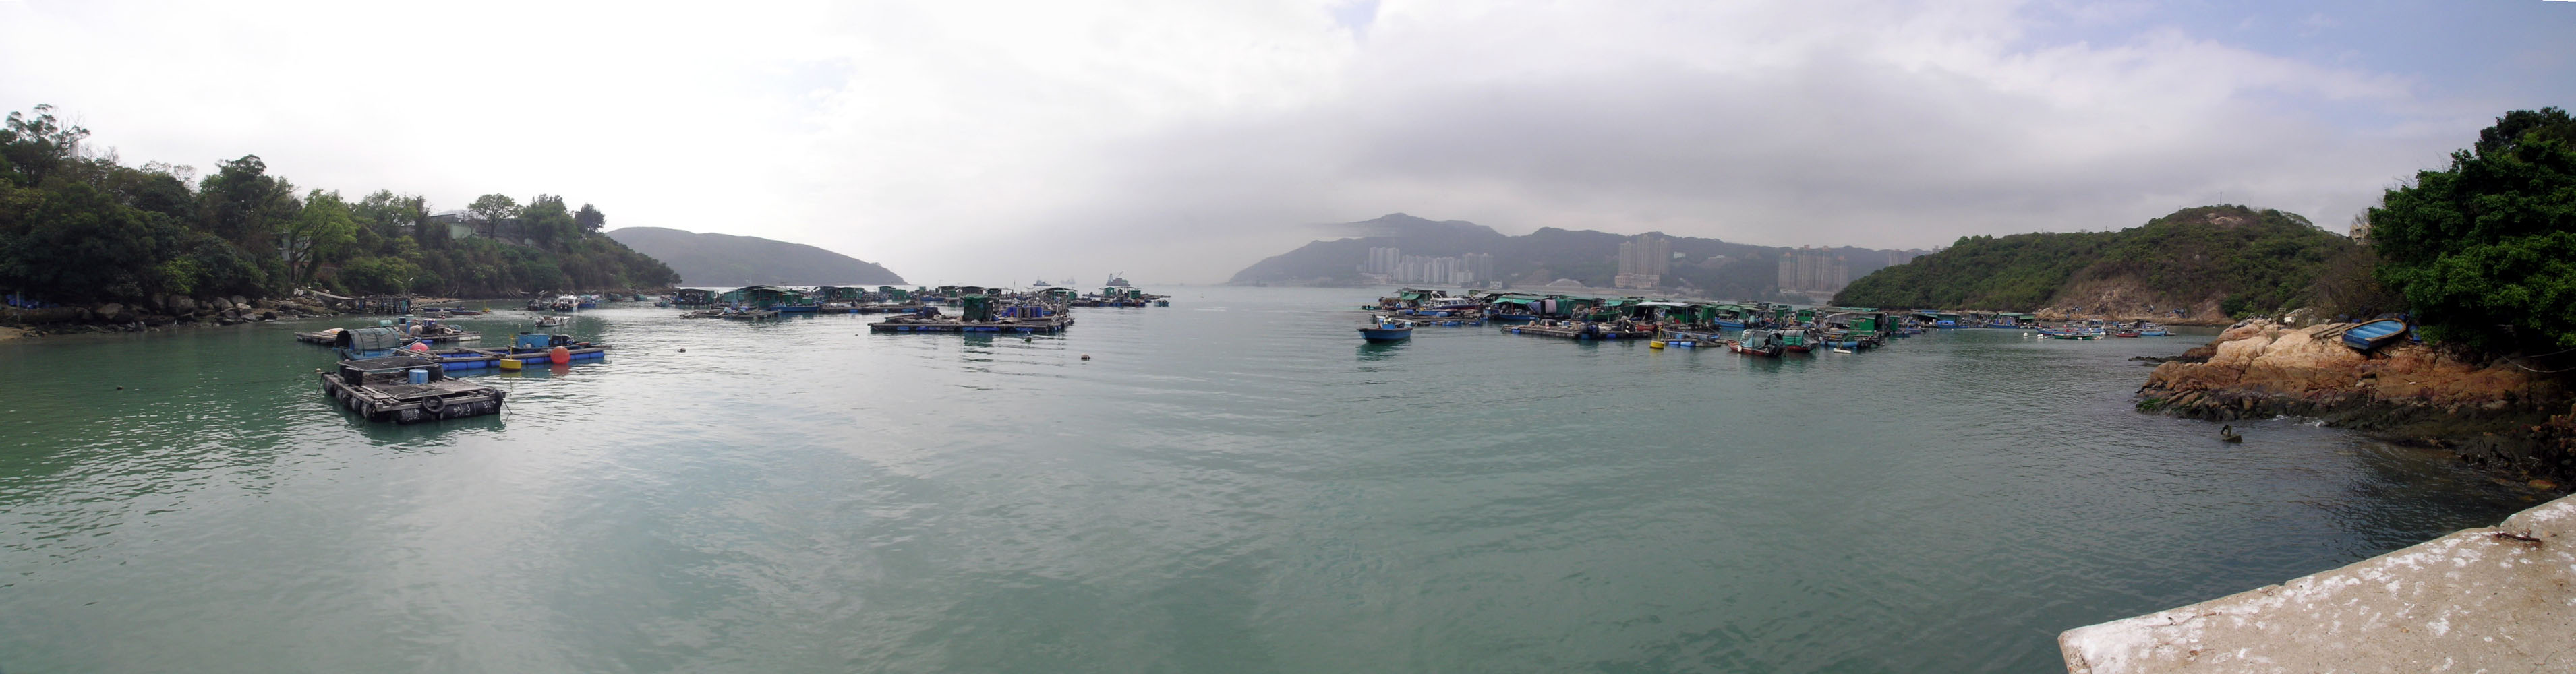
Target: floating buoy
column 684, row 351
column 1086, row 356
column 560, row 355
column 511, row 364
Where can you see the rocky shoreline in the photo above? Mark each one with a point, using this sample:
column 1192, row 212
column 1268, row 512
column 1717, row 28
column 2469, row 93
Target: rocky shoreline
column 2487, row 411
column 158, row 313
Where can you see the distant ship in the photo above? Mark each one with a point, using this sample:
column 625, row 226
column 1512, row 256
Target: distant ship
column 1041, row 283
column 1117, row 280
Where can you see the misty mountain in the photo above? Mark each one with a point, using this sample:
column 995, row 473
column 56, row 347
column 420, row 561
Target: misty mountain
column 726, row 260
column 1712, row 267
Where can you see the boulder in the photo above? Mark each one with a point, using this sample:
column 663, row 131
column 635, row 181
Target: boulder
column 238, row 301
column 181, row 304
column 111, row 312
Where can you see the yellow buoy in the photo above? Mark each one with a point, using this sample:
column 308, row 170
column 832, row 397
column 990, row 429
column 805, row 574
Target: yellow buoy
column 510, row 364
column 1655, row 344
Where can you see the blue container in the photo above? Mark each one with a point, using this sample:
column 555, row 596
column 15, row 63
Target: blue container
column 418, row 376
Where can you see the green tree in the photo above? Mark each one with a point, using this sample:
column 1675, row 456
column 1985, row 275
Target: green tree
column 2484, row 252
column 493, row 208
column 590, row 218
column 545, row 220
column 322, row 229
column 245, row 205
column 36, row 146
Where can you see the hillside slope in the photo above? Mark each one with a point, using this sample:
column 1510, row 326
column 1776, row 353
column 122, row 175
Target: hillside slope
column 1712, row 267
column 713, row 260
column 2210, row 262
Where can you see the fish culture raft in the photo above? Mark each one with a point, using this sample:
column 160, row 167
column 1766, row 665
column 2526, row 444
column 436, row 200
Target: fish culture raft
column 980, row 315
column 406, row 389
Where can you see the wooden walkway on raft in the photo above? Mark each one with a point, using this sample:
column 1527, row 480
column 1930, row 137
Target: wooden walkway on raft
column 1043, row 327
column 1567, row 332
column 408, row 403
column 333, row 338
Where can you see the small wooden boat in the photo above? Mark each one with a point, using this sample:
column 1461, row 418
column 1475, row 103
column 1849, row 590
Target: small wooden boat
column 1387, row 329
column 2374, row 334
column 2126, row 333
column 1757, row 342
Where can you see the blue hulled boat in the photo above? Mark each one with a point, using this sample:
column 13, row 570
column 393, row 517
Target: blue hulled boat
column 1387, row 329
column 2374, row 334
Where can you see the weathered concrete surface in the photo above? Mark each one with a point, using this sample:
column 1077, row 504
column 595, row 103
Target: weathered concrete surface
column 2496, row 599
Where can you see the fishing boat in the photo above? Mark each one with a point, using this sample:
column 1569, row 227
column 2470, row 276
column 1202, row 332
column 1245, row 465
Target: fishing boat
column 2153, row 330
column 2374, row 334
column 1387, row 329
column 564, row 303
column 406, row 388
column 1757, row 342
column 1794, row 340
column 552, row 321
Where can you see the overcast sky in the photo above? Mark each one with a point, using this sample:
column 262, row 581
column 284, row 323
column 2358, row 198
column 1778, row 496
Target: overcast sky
column 1179, row 141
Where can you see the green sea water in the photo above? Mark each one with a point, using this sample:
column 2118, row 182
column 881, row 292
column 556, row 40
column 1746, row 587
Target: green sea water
column 1231, row 484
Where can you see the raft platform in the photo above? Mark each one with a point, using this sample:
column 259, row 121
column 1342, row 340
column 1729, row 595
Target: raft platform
column 1568, row 332
column 382, row 390
column 1046, row 326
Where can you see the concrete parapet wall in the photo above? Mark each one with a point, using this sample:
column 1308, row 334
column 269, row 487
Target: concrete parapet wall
column 2494, row 599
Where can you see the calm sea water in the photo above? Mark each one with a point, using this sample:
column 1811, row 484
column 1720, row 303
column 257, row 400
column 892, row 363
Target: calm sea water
column 1231, row 484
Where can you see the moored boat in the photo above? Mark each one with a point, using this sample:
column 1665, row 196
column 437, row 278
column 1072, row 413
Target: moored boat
column 1757, row 341
column 2374, row 334
column 1387, row 329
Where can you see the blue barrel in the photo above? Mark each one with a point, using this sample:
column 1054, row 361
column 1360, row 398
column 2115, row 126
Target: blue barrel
column 418, row 376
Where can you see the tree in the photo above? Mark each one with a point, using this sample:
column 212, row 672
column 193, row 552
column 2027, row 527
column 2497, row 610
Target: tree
column 545, row 220
column 589, row 218
column 317, row 232
column 2485, row 251
column 493, row 208
column 36, row 146
column 245, row 205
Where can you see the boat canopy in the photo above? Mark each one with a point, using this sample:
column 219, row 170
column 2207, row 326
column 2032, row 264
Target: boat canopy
column 1523, row 301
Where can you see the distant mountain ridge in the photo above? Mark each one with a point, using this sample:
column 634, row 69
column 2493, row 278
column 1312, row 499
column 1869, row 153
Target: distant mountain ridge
column 1710, row 267
column 711, row 260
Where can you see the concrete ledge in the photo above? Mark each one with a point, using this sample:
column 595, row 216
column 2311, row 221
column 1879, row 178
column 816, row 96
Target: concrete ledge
column 2495, row 599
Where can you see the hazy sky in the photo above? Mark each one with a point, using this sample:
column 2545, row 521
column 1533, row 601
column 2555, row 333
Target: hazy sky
column 1179, row 141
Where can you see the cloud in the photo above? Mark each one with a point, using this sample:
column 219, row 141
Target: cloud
column 1180, row 141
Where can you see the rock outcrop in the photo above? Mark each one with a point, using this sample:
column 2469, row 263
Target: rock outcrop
column 2490, row 412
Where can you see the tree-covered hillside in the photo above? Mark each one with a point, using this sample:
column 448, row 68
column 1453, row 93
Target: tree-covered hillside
column 728, row 260
column 1710, row 267
column 80, row 228
column 2233, row 258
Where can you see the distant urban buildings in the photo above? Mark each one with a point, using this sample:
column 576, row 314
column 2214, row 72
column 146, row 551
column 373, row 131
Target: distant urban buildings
column 1472, row 269
column 1643, row 261
column 1814, row 271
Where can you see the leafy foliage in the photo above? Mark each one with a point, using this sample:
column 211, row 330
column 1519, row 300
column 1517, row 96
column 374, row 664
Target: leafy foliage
column 2485, row 251
column 2249, row 261
column 77, row 228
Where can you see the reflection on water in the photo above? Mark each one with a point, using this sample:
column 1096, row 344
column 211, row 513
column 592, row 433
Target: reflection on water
column 1212, row 490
